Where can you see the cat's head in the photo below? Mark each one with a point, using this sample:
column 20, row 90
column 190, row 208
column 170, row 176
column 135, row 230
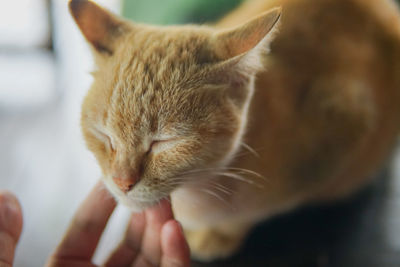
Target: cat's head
column 166, row 102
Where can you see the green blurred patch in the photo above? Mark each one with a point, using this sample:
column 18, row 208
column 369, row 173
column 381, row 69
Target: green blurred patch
column 176, row 11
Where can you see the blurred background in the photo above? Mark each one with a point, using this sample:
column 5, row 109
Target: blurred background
column 44, row 74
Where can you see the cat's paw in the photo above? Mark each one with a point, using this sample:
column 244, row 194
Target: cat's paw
column 211, row 244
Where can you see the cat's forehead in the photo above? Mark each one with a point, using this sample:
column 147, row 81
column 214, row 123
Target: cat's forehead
column 174, row 47
column 161, row 56
column 154, row 76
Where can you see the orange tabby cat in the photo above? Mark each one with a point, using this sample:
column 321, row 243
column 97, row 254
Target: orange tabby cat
column 173, row 110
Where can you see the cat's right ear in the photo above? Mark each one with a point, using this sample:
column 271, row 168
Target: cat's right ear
column 99, row 26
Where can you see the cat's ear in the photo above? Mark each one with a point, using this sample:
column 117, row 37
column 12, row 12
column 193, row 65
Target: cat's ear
column 253, row 36
column 99, row 26
column 240, row 53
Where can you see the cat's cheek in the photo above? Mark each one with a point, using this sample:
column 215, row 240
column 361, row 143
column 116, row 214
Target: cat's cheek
column 98, row 149
column 104, row 156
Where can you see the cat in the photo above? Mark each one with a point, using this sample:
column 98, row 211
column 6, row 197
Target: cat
column 236, row 135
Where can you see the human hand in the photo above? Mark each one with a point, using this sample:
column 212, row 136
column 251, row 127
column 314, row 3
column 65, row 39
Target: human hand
column 153, row 237
column 10, row 227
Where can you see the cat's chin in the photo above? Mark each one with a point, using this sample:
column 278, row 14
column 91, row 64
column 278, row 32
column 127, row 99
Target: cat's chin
column 137, row 206
column 130, row 201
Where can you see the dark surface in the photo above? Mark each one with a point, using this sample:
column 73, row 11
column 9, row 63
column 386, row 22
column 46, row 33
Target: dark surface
column 351, row 233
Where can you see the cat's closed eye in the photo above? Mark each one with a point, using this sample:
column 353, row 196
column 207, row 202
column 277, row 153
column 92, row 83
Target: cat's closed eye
column 159, row 145
column 105, row 138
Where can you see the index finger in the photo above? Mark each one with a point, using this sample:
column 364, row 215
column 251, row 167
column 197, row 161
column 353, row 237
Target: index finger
column 81, row 239
column 155, row 218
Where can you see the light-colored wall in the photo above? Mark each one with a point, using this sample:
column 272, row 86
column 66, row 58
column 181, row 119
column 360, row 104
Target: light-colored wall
column 43, row 158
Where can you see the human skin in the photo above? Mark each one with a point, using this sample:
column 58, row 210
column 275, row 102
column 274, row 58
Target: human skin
column 10, row 227
column 153, row 237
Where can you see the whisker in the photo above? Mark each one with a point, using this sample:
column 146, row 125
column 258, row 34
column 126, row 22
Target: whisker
column 232, row 172
column 247, row 171
column 206, row 170
column 235, row 176
column 216, row 196
column 250, row 149
column 240, row 178
column 222, row 188
column 241, row 154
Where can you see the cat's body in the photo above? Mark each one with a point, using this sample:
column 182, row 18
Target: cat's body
column 321, row 120
column 324, row 116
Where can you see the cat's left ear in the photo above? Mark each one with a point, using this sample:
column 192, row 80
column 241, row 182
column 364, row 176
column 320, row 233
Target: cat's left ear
column 250, row 40
column 240, row 54
column 99, row 26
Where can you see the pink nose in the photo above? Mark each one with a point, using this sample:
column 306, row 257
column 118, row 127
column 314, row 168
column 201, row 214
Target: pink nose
column 125, row 184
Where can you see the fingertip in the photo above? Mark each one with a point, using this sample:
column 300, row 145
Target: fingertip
column 9, row 199
column 10, row 214
column 174, row 246
column 171, row 233
column 10, row 226
column 164, row 204
column 160, row 213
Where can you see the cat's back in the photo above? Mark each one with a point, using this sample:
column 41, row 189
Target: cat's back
column 382, row 11
column 328, row 106
column 313, row 27
column 326, row 29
